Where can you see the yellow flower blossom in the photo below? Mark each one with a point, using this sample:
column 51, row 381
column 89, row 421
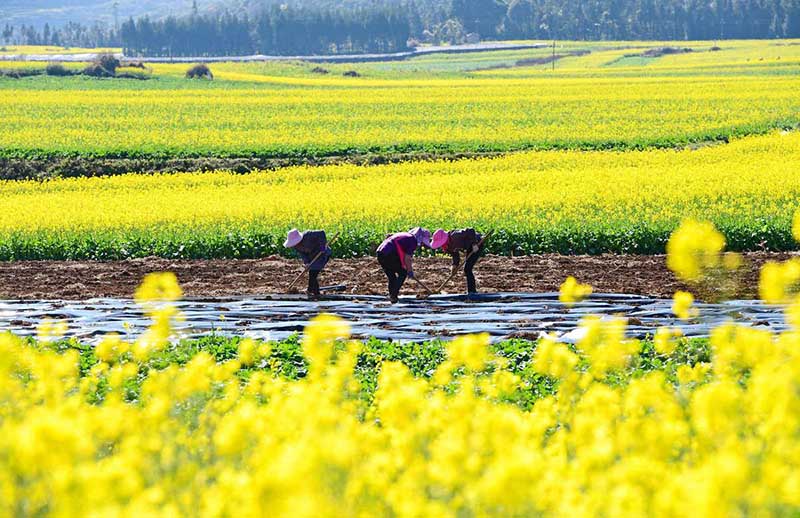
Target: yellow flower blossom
column 554, row 359
column 248, row 351
column 683, row 305
column 159, row 287
column 49, row 330
column 694, row 248
column 664, row 339
column 471, row 351
column 110, row 348
column 572, row 291
column 780, row 282
column 796, row 226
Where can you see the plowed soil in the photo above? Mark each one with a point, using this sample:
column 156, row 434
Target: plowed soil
column 77, row 280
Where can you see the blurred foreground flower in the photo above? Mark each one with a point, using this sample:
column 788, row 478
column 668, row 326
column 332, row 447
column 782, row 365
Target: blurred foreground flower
column 572, row 291
column 694, row 248
column 780, row 282
column 50, row 330
column 158, row 287
column 683, row 305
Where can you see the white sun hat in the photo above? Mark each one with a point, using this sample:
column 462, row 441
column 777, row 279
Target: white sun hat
column 293, row 238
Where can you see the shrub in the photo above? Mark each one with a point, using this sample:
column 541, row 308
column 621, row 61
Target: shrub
column 134, row 74
column 104, row 65
column 665, row 51
column 351, row 73
column 57, row 69
column 108, row 62
column 96, row 70
column 199, row 71
column 21, row 72
column 319, row 70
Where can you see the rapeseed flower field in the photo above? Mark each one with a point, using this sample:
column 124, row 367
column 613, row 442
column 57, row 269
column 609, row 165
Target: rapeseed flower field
column 548, row 201
column 691, row 154
column 285, row 111
column 609, row 426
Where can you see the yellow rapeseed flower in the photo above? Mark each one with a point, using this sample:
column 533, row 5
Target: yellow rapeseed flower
column 571, row 291
column 664, row 339
column 49, row 330
column 779, row 283
column 796, row 226
column 159, row 287
column 694, row 248
column 683, row 305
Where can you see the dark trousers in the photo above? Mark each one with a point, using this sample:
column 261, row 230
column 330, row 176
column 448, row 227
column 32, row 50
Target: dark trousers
column 313, row 282
column 394, row 271
column 468, row 266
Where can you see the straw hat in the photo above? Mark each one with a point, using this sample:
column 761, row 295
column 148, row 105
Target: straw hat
column 293, row 238
column 440, row 238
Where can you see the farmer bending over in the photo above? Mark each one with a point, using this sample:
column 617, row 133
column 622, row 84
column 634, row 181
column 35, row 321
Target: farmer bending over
column 312, row 245
column 396, row 257
column 456, row 241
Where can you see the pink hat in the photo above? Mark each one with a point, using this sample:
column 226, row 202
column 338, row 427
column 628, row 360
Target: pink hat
column 293, row 238
column 440, row 238
column 423, row 236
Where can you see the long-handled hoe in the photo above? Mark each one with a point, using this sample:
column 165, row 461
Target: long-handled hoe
column 429, row 292
column 464, row 261
column 308, row 266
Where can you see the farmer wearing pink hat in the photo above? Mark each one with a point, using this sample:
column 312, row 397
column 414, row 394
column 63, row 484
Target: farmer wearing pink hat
column 396, row 257
column 309, row 244
column 456, row 241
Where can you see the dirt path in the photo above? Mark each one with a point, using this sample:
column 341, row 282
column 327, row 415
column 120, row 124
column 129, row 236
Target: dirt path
column 642, row 275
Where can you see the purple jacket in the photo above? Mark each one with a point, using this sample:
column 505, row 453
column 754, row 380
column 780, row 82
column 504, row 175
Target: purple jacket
column 314, row 242
column 401, row 243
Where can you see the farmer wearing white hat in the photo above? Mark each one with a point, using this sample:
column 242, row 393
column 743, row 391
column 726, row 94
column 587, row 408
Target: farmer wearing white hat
column 396, row 257
column 456, row 241
column 309, row 245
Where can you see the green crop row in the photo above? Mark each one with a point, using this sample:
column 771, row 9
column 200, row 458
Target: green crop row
column 286, row 359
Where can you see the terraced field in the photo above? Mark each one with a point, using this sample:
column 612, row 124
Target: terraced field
column 537, row 202
column 285, row 110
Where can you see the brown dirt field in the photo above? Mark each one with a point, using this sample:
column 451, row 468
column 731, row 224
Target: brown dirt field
column 75, row 280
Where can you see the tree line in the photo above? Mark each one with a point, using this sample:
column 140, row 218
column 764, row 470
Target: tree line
column 640, row 19
column 70, row 35
column 389, row 26
column 279, row 31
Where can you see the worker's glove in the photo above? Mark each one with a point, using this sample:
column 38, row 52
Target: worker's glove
column 410, row 274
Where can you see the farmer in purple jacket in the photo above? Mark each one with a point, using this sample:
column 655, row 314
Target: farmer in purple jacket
column 309, row 244
column 396, row 257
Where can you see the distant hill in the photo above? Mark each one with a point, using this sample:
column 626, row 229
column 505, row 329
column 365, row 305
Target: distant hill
column 59, row 12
